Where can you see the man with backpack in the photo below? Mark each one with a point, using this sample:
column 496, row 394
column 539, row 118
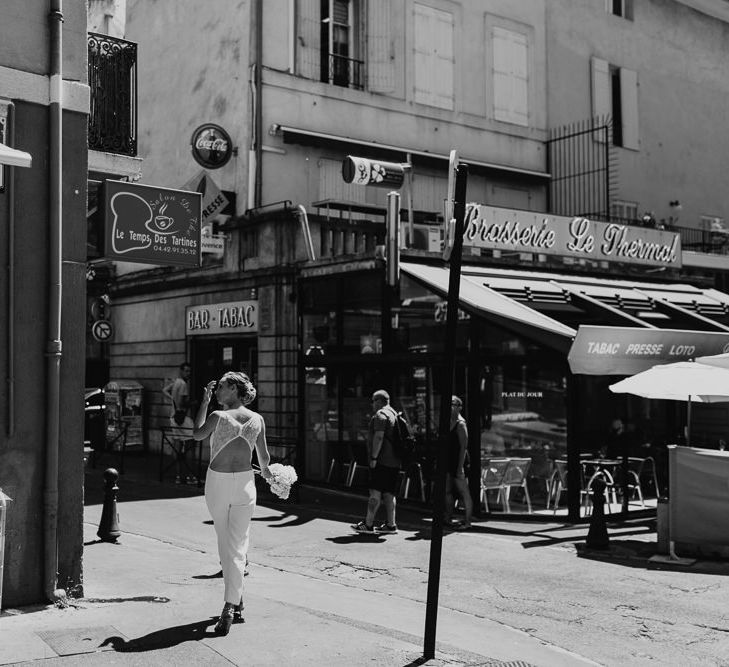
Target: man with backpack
column 384, row 464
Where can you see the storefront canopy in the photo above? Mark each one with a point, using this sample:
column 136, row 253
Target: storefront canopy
column 475, row 296
column 650, row 317
column 13, row 157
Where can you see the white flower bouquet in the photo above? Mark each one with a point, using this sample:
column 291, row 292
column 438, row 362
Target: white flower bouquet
column 282, row 479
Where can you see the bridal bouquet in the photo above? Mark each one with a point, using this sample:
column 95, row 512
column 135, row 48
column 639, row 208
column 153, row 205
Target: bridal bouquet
column 282, row 479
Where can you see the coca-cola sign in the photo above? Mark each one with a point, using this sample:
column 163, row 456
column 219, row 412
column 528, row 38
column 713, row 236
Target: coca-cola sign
column 211, row 146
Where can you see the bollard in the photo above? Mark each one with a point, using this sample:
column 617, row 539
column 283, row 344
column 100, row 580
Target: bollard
column 3, row 508
column 597, row 535
column 109, row 524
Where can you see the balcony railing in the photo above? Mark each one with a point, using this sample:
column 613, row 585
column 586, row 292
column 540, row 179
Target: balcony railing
column 113, row 85
column 346, row 72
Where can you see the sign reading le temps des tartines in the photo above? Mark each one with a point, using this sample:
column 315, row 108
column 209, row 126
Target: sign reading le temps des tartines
column 151, row 225
column 496, row 228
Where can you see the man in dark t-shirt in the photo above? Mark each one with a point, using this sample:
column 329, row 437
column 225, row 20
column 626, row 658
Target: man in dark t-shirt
column 384, row 466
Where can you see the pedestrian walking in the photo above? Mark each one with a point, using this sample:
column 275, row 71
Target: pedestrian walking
column 384, row 466
column 230, row 490
column 456, row 473
column 178, row 391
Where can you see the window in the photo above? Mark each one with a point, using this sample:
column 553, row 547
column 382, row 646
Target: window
column 328, row 42
column 622, row 8
column 510, row 76
column 624, row 211
column 615, row 95
column 433, row 57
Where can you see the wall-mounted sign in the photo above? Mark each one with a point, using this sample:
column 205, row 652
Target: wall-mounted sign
column 211, row 146
column 630, row 350
column 526, row 231
column 222, row 318
column 151, row 225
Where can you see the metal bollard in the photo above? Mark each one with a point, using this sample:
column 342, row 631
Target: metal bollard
column 109, row 524
column 597, row 535
column 3, row 509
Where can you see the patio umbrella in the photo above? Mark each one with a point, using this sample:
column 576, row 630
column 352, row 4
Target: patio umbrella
column 682, row 381
column 719, row 360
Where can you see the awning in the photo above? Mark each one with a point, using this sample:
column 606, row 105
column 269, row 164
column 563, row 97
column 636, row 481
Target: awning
column 629, row 350
column 294, row 132
column 477, row 297
column 13, row 157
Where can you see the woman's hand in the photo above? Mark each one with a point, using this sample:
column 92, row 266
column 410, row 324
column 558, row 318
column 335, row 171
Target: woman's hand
column 266, row 473
column 209, row 388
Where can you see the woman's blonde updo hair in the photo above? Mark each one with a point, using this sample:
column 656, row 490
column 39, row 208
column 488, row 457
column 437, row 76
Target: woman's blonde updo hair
column 242, row 383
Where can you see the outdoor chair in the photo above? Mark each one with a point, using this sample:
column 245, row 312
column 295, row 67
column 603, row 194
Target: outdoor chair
column 642, row 468
column 516, row 476
column 492, row 478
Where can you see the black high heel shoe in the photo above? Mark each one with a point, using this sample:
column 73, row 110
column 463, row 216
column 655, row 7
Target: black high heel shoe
column 222, row 627
column 238, row 611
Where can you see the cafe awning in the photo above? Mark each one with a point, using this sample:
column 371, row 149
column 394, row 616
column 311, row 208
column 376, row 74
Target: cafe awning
column 12, row 157
column 477, row 297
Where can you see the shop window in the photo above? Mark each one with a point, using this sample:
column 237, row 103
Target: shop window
column 615, row 95
column 433, row 55
column 510, row 76
column 249, row 243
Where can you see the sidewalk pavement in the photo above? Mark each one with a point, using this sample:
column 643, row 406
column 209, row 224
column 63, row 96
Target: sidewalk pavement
column 143, row 604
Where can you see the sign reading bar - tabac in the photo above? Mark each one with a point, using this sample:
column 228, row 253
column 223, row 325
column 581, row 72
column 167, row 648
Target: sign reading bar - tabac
column 526, row 231
column 222, row 318
column 151, row 225
column 630, row 350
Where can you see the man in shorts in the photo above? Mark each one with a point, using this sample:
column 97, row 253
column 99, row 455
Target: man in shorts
column 384, row 467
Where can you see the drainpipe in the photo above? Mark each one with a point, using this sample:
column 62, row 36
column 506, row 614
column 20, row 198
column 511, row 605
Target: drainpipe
column 257, row 119
column 10, row 173
column 53, row 351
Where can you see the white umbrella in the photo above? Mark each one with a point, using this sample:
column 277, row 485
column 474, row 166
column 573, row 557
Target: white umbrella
column 720, row 360
column 682, row 381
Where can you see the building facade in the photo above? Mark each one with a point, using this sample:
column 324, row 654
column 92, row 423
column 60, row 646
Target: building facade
column 44, row 112
column 554, row 106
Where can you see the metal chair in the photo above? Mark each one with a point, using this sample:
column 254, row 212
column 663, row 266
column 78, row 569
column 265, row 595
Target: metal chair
column 642, row 467
column 516, row 476
column 492, row 477
column 413, row 471
column 557, row 483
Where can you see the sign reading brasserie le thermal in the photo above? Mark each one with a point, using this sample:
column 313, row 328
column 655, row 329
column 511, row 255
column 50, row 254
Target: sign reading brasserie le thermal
column 526, row 231
column 151, row 225
column 218, row 318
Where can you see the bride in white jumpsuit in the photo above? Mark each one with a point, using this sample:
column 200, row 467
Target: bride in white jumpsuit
column 230, row 490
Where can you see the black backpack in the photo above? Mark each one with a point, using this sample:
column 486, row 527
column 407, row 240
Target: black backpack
column 403, row 440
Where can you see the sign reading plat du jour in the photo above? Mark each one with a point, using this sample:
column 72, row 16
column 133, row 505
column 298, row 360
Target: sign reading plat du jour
column 496, row 228
column 222, row 318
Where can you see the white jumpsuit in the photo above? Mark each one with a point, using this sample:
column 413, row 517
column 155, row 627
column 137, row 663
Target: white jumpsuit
column 231, row 499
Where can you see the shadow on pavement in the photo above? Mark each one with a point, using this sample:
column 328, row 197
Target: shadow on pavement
column 165, row 638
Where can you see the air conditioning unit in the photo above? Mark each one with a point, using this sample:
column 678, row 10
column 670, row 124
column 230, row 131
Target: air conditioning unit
column 426, row 237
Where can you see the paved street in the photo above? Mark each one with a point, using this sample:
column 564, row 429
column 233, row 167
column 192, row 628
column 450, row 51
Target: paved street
column 319, row 594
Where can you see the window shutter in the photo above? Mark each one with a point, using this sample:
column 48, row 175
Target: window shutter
column 601, row 96
column 433, row 57
column 510, row 76
column 380, row 56
column 629, row 108
column 308, row 38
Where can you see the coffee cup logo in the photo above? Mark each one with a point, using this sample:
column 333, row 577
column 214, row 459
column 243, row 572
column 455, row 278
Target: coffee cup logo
column 163, row 222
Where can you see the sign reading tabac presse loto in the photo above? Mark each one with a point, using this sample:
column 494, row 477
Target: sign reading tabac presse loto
column 151, row 225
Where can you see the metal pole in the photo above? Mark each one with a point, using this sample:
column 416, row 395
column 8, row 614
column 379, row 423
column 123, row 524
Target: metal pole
column 436, row 538
column 393, row 238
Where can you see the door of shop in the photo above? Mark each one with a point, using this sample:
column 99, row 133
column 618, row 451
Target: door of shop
column 212, row 356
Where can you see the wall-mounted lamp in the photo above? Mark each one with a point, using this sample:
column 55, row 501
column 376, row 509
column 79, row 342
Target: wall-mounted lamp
column 675, row 204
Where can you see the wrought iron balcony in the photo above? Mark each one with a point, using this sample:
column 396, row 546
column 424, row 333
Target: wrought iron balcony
column 346, row 72
column 113, row 84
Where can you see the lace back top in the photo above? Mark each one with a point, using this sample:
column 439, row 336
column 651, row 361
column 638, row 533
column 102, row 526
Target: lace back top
column 229, row 428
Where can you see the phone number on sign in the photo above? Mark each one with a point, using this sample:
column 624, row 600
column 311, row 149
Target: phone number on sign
column 176, row 251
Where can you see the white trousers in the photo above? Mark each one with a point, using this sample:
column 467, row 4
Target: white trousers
column 231, row 499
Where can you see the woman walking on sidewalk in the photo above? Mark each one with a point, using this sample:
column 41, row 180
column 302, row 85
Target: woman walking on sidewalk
column 230, row 490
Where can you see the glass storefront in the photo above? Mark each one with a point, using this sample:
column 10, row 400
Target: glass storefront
column 359, row 337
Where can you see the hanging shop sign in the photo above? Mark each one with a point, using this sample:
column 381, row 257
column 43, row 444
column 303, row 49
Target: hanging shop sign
column 222, row 318
column 151, row 225
column 213, row 203
column 212, row 146
column 496, row 228
column 630, row 350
